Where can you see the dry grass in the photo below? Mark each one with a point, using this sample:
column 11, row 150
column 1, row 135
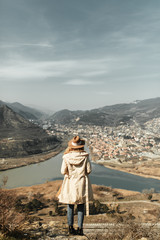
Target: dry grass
column 10, row 220
column 148, row 169
column 130, row 214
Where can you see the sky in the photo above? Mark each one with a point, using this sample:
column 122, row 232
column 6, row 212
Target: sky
column 79, row 54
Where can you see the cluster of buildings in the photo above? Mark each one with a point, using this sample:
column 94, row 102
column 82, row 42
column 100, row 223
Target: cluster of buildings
column 123, row 143
column 153, row 125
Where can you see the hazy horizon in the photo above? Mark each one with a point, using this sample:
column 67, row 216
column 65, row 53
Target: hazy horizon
column 79, row 55
column 51, row 111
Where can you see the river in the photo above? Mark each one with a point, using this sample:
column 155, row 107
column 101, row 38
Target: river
column 50, row 170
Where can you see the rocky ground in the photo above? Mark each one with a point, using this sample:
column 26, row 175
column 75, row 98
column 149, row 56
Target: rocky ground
column 115, row 214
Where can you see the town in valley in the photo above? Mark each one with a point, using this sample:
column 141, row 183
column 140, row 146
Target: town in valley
column 125, row 145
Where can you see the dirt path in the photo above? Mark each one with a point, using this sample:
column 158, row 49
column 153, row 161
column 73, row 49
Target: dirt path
column 133, row 201
column 96, row 231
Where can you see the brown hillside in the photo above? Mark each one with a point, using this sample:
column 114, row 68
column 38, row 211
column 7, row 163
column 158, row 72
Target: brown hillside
column 19, row 137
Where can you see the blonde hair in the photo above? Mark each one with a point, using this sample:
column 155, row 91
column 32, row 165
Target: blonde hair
column 69, row 149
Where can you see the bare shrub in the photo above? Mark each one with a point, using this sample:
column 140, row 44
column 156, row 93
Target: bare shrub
column 10, row 219
column 149, row 196
column 34, row 205
column 137, row 231
column 4, row 181
column 131, row 231
column 38, row 196
column 96, row 207
column 30, row 196
column 103, row 188
column 148, row 191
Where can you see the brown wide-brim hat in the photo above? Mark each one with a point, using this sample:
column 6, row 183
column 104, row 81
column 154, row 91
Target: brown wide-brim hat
column 76, row 142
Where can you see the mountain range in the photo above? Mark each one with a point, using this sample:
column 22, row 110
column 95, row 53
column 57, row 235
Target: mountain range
column 20, row 137
column 24, row 111
column 125, row 113
column 113, row 115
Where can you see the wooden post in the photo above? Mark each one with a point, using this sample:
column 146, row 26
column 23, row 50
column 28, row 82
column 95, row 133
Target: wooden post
column 87, row 199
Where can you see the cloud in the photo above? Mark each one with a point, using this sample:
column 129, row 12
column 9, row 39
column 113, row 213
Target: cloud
column 73, row 71
column 104, row 93
column 78, row 82
column 24, row 70
column 99, row 47
column 94, row 73
column 69, row 72
column 17, row 45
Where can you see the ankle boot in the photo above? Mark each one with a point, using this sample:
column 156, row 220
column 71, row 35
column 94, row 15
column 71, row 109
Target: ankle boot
column 80, row 231
column 72, row 231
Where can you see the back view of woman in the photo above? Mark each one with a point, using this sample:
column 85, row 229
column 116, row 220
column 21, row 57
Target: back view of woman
column 76, row 187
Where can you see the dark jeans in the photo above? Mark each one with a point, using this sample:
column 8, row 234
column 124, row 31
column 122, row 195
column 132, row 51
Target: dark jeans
column 70, row 214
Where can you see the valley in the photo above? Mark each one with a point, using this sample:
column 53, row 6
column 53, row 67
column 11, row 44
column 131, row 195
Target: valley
column 115, row 140
column 126, row 138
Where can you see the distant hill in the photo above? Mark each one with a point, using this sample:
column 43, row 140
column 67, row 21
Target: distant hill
column 19, row 137
column 24, row 111
column 66, row 116
column 140, row 111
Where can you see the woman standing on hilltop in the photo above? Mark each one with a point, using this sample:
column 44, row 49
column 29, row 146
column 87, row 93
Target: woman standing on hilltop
column 76, row 187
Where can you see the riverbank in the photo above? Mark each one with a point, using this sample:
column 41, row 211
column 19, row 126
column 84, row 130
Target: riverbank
column 149, row 169
column 10, row 163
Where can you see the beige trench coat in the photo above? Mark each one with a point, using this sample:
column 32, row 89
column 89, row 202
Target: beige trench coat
column 76, row 187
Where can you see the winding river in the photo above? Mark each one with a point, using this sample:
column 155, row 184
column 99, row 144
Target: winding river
column 50, row 170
